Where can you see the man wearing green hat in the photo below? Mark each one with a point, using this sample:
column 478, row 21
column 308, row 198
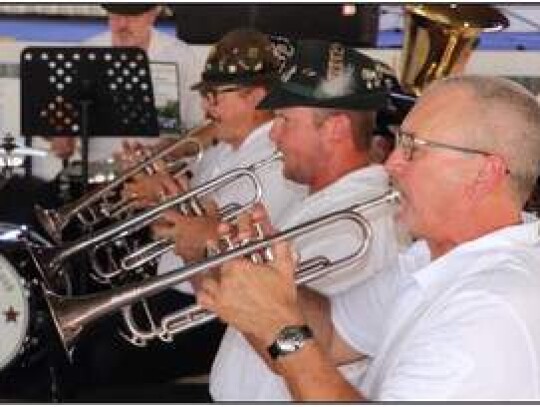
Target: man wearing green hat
column 325, row 107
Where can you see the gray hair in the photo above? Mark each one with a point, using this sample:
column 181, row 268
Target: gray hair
column 515, row 135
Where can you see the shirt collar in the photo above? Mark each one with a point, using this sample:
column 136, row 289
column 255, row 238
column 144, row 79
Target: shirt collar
column 457, row 262
column 253, row 137
column 373, row 177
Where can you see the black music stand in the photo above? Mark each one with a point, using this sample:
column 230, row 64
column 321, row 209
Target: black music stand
column 87, row 92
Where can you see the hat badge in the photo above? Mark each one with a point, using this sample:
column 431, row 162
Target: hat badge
column 288, row 73
column 371, row 77
column 336, row 57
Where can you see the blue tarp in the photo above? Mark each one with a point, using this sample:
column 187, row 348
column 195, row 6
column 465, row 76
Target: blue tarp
column 58, row 30
column 71, row 30
column 488, row 41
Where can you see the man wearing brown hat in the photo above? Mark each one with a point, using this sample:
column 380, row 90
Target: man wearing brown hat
column 132, row 25
column 325, row 108
column 238, row 72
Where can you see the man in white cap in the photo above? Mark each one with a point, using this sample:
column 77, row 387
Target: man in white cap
column 132, row 25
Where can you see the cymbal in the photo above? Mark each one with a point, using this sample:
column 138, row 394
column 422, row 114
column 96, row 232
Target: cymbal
column 9, row 147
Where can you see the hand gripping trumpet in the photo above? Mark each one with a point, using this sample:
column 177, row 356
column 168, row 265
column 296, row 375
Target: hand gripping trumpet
column 137, row 258
column 51, row 260
column 97, row 205
column 72, row 314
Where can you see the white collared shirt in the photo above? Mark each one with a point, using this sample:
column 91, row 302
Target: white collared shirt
column 463, row 327
column 238, row 373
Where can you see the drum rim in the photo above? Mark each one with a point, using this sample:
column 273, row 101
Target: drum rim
column 7, row 268
column 24, row 230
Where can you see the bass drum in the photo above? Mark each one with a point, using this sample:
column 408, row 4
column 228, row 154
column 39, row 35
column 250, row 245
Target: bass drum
column 28, row 350
column 15, row 312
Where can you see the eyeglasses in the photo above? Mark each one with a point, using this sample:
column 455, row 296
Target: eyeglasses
column 407, row 142
column 211, row 92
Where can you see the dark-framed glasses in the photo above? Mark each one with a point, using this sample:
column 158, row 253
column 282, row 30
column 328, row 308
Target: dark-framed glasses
column 408, row 143
column 211, row 92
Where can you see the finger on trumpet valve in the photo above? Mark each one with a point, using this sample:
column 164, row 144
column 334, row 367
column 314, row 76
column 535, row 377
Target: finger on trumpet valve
column 259, row 234
column 162, row 196
column 266, row 254
column 183, row 208
column 262, row 255
column 226, row 242
column 212, row 249
column 196, row 207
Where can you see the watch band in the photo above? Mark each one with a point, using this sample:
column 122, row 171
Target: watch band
column 290, row 339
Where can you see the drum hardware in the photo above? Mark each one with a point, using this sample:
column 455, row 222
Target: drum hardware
column 12, row 156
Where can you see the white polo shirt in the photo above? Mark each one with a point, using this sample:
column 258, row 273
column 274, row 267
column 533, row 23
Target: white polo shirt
column 238, row 372
column 463, row 327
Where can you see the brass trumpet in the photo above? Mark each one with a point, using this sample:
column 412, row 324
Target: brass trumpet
column 51, row 260
column 97, row 205
column 72, row 314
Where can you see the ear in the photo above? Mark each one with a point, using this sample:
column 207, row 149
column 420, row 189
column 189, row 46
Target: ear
column 154, row 14
column 490, row 176
column 256, row 94
column 336, row 127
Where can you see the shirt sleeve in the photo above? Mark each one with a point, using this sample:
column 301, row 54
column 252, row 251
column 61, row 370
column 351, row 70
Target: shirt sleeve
column 360, row 313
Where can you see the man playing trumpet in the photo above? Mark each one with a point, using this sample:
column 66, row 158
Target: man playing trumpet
column 457, row 318
column 325, row 107
column 238, row 72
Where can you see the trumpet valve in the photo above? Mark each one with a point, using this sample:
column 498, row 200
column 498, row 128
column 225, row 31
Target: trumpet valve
column 51, row 221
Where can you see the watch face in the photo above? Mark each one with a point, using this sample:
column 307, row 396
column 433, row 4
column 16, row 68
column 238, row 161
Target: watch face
column 290, row 339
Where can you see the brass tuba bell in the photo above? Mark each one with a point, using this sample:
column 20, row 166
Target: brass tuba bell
column 439, row 38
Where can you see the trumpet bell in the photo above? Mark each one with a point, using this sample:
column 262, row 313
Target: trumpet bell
column 439, row 38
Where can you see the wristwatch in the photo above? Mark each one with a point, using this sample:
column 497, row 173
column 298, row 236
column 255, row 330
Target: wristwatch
column 290, row 339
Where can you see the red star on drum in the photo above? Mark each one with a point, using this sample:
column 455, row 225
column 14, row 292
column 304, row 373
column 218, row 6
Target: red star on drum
column 11, row 314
